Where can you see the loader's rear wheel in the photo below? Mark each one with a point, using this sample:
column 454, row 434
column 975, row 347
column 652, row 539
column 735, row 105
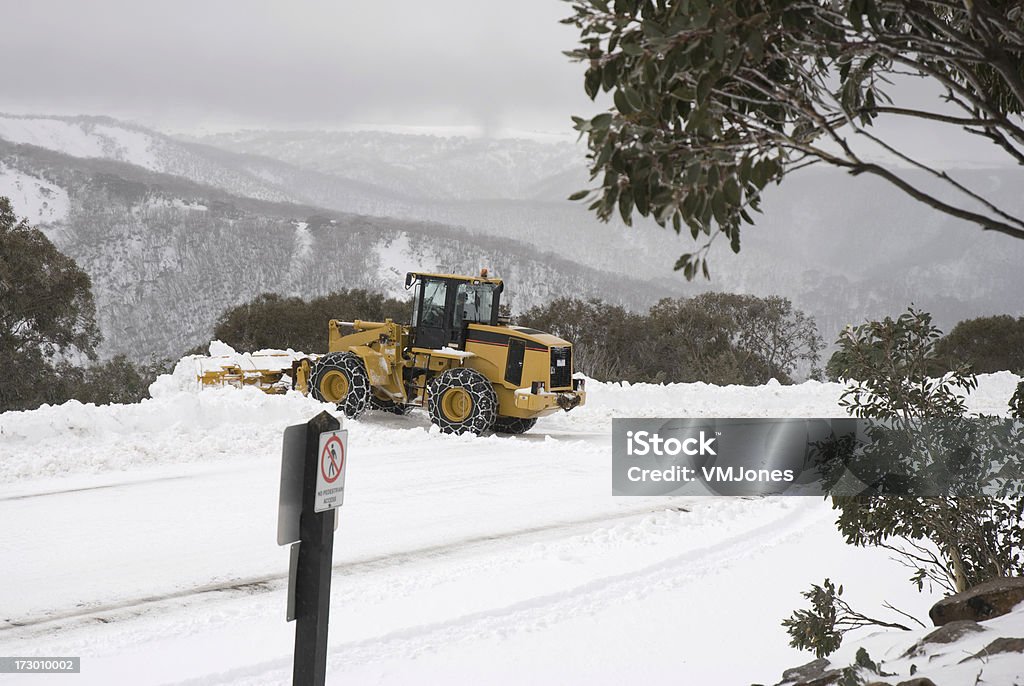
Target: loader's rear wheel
column 389, row 405
column 513, row 425
column 341, row 378
column 462, row 400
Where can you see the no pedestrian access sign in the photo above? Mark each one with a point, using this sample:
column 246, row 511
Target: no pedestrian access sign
column 330, row 474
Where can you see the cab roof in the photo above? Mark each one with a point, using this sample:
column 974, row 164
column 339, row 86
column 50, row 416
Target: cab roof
column 410, row 276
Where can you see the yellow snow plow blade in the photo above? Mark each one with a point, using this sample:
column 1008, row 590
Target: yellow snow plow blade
column 270, row 372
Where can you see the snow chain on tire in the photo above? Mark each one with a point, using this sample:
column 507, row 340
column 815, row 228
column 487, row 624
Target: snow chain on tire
column 390, row 406
column 513, row 425
column 341, row 378
column 462, row 400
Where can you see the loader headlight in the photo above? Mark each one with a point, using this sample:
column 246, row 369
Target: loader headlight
column 537, row 387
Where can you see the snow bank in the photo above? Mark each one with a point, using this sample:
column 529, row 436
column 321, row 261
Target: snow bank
column 180, row 419
column 180, row 423
column 174, row 427
column 808, row 399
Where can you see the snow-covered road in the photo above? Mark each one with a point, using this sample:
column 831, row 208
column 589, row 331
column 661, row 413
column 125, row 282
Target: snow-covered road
column 143, row 539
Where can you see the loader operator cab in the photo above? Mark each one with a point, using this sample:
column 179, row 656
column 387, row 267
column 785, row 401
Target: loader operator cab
column 444, row 305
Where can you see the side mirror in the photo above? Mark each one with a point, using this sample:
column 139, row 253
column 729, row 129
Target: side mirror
column 410, row 278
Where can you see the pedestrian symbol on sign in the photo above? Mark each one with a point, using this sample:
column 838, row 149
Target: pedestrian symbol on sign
column 332, row 459
column 330, row 470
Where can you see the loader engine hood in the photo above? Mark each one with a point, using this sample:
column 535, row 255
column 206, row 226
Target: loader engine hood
column 501, row 335
column 522, row 357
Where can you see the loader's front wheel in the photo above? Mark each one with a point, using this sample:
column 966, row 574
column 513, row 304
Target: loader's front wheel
column 341, row 378
column 513, row 425
column 462, row 400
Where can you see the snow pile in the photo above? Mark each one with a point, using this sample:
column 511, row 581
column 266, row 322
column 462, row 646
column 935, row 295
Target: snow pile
column 38, row 200
column 189, row 369
column 180, row 423
column 808, row 399
column 180, row 412
column 173, row 427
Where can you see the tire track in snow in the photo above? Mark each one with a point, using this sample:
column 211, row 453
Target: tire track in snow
column 538, row 612
column 134, row 607
column 82, row 489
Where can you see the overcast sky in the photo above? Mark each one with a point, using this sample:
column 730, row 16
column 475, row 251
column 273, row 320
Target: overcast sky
column 491, row 66
column 494, row 64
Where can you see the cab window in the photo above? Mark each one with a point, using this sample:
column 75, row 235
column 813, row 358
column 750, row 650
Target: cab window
column 474, row 303
column 434, row 295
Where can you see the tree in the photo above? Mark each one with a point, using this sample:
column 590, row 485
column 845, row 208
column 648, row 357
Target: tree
column 715, row 99
column 944, row 490
column 967, row 532
column 771, row 338
column 726, row 338
column 47, row 312
column 987, row 344
column 692, row 343
column 606, row 338
column 271, row 321
column 718, row 338
column 114, row 381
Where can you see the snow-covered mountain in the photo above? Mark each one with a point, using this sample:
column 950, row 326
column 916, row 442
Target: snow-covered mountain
column 168, row 255
column 842, row 249
column 420, row 166
column 249, row 176
column 103, row 138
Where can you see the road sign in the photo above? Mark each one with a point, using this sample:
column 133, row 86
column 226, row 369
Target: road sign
column 330, row 474
column 313, row 461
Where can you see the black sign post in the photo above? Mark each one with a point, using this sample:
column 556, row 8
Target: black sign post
column 312, row 576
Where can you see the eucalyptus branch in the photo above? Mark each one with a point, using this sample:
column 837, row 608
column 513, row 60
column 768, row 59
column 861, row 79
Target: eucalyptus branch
column 886, row 604
column 924, row 114
column 942, row 176
column 998, row 139
column 1015, row 131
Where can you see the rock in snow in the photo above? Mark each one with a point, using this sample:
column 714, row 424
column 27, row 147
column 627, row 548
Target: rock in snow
column 984, row 601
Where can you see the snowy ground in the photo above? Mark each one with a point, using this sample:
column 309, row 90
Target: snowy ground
column 142, row 538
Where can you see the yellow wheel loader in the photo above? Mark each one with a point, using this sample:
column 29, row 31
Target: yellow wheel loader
column 459, row 358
